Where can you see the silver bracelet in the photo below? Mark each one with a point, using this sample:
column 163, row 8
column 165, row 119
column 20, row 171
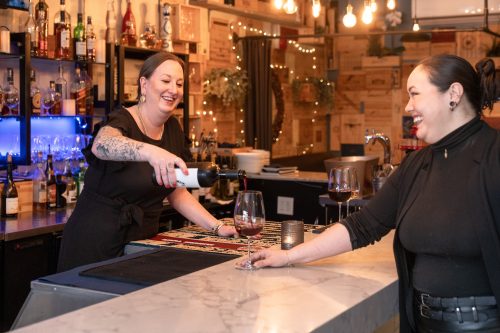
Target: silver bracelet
column 215, row 230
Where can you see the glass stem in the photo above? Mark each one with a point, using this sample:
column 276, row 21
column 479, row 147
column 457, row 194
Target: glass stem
column 249, row 260
column 347, row 212
column 340, row 211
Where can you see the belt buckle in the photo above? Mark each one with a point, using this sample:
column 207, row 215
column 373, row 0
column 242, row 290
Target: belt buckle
column 423, row 309
column 423, row 297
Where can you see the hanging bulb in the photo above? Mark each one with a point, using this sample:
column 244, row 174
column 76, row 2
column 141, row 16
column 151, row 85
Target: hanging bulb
column 416, row 26
column 290, row 7
column 316, row 8
column 373, row 5
column 391, row 4
column 367, row 16
column 278, row 4
column 349, row 19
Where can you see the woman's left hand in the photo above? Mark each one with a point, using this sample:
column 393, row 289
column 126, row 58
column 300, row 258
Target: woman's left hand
column 227, row 231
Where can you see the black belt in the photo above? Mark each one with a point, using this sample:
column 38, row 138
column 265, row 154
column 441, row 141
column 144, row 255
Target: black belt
column 457, row 309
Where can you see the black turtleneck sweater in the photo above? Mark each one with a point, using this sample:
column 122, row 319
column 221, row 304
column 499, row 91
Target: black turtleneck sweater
column 438, row 227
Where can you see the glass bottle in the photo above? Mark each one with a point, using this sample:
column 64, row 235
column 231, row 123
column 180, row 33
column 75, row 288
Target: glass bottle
column 62, row 31
column 11, row 94
column 77, row 91
column 89, row 93
column 42, row 27
column 35, row 95
column 39, row 184
column 67, row 177
column 80, row 177
column 10, row 198
column 80, row 44
column 50, row 99
column 148, row 38
column 90, row 40
column 61, row 83
column 111, row 23
column 129, row 34
column 30, row 28
column 51, row 182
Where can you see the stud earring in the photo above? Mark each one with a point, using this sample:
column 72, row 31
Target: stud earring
column 453, row 105
column 142, row 99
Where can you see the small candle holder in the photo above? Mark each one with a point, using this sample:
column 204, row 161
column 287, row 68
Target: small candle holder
column 292, row 234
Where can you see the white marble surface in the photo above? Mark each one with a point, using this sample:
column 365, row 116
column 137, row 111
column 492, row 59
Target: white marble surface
column 303, row 176
column 353, row 292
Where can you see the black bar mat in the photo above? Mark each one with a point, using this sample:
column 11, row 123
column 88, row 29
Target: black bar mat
column 156, row 267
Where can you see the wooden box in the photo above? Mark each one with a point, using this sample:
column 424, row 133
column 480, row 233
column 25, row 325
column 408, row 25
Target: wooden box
column 25, row 193
column 383, row 79
column 416, row 50
column 351, row 81
column 186, row 23
column 443, row 48
column 389, row 61
column 350, row 61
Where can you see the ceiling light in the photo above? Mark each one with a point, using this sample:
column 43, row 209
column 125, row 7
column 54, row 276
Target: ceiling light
column 416, row 26
column 391, row 4
column 349, row 19
column 367, row 16
column 373, row 5
column 316, row 8
column 278, row 4
column 290, row 7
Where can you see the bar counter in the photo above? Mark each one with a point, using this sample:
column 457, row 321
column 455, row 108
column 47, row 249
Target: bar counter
column 33, row 223
column 353, row 292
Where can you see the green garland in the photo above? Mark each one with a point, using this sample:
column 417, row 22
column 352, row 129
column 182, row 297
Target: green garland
column 322, row 87
column 226, row 85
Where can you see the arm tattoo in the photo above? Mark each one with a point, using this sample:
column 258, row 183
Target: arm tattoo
column 111, row 145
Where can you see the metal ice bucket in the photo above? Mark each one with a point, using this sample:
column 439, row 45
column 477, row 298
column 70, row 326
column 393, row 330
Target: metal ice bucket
column 364, row 167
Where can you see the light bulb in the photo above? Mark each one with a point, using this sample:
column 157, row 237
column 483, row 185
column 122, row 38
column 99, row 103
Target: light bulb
column 278, row 4
column 391, row 4
column 349, row 19
column 367, row 16
column 416, row 26
column 290, row 7
column 373, row 6
column 316, row 8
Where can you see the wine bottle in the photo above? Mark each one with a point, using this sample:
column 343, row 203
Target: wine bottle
column 10, row 198
column 67, row 177
column 80, row 44
column 203, row 174
column 51, row 183
column 62, row 31
column 30, row 28
column 80, row 177
column 129, row 34
column 42, row 27
column 90, row 40
column 39, row 184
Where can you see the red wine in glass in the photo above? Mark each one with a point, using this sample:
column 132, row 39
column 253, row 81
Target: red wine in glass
column 341, row 196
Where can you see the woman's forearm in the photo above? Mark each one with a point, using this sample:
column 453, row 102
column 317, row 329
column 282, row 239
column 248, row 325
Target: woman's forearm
column 183, row 202
column 110, row 144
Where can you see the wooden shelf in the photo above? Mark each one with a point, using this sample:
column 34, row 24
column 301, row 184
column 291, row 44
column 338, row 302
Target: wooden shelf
column 278, row 18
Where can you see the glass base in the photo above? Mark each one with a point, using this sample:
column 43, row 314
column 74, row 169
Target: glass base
column 247, row 266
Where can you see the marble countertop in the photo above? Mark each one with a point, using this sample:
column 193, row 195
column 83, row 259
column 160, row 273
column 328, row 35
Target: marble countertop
column 301, row 176
column 352, row 292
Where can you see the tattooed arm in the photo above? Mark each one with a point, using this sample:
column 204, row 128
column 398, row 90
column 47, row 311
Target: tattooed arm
column 110, row 144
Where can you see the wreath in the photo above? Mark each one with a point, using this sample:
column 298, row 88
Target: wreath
column 322, row 90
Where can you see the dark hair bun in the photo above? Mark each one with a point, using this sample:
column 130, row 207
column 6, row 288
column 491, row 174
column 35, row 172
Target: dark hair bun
column 486, row 71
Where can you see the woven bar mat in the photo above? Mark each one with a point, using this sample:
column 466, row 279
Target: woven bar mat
column 156, row 267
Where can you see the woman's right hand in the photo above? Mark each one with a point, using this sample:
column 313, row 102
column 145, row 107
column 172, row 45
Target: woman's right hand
column 164, row 164
column 268, row 258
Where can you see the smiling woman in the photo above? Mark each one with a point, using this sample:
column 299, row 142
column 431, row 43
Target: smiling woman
column 119, row 202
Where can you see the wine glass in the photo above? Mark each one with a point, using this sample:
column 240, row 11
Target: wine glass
column 354, row 187
column 249, row 218
column 339, row 186
column 11, row 98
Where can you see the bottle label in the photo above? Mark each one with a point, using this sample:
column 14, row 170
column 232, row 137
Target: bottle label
column 80, row 186
column 11, row 206
column 90, row 44
column 80, row 49
column 51, row 195
column 40, row 192
column 36, row 103
column 64, row 38
column 190, row 181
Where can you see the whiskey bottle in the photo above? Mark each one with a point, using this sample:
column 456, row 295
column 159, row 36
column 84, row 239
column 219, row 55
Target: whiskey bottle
column 62, row 31
column 51, row 183
column 129, row 34
column 90, row 34
column 30, row 28
column 77, row 91
column 35, row 95
column 42, row 27
column 39, row 184
column 80, row 44
column 10, row 198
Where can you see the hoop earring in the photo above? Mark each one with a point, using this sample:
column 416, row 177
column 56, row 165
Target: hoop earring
column 142, row 99
column 453, row 105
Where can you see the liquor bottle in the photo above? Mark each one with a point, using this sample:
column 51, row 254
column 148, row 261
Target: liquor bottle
column 90, row 40
column 51, row 183
column 67, row 177
column 166, row 29
column 77, row 91
column 42, row 27
column 35, row 94
column 30, row 28
column 111, row 23
column 129, row 34
column 80, row 44
column 10, row 198
column 89, row 93
column 62, row 31
column 39, row 184
column 61, row 83
column 204, row 174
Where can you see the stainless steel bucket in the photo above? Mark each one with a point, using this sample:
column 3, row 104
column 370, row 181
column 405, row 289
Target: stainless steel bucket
column 364, row 166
